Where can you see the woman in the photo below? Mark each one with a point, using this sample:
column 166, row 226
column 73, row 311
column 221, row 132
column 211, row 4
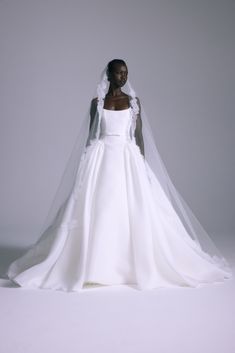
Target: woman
column 115, row 99
column 123, row 221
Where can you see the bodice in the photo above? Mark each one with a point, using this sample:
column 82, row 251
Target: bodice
column 116, row 123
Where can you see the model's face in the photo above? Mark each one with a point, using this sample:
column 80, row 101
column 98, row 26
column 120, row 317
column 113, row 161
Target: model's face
column 119, row 75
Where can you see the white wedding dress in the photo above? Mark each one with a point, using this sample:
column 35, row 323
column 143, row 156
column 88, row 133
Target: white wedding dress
column 116, row 227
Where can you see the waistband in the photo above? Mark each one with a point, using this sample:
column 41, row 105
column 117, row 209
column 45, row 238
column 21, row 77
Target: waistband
column 107, row 134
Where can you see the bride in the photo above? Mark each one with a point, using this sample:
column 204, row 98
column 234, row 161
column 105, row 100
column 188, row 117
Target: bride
column 117, row 217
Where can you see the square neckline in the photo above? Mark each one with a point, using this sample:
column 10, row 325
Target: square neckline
column 115, row 110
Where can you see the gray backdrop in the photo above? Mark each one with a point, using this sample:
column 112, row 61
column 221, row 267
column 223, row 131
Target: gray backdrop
column 180, row 56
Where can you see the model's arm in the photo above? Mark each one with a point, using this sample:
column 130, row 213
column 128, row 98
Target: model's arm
column 93, row 109
column 138, row 130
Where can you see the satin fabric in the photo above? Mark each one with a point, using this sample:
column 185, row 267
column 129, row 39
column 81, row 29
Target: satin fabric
column 116, row 227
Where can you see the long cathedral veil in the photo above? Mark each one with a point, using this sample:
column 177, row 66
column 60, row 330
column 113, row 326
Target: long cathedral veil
column 87, row 135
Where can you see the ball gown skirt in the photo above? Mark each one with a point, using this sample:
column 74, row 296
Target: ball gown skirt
column 116, row 227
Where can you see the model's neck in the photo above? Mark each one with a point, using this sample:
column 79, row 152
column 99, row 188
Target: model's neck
column 114, row 91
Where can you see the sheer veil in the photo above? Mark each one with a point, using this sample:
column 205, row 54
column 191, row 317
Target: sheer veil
column 88, row 135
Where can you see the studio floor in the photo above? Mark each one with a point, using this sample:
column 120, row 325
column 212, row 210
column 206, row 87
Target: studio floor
column 118, row 319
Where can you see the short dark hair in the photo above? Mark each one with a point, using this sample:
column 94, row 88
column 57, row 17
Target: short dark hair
column 112, row 63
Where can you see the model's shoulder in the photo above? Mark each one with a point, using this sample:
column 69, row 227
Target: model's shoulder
column 137, row 98
column 94, row 101
column 137, row 101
